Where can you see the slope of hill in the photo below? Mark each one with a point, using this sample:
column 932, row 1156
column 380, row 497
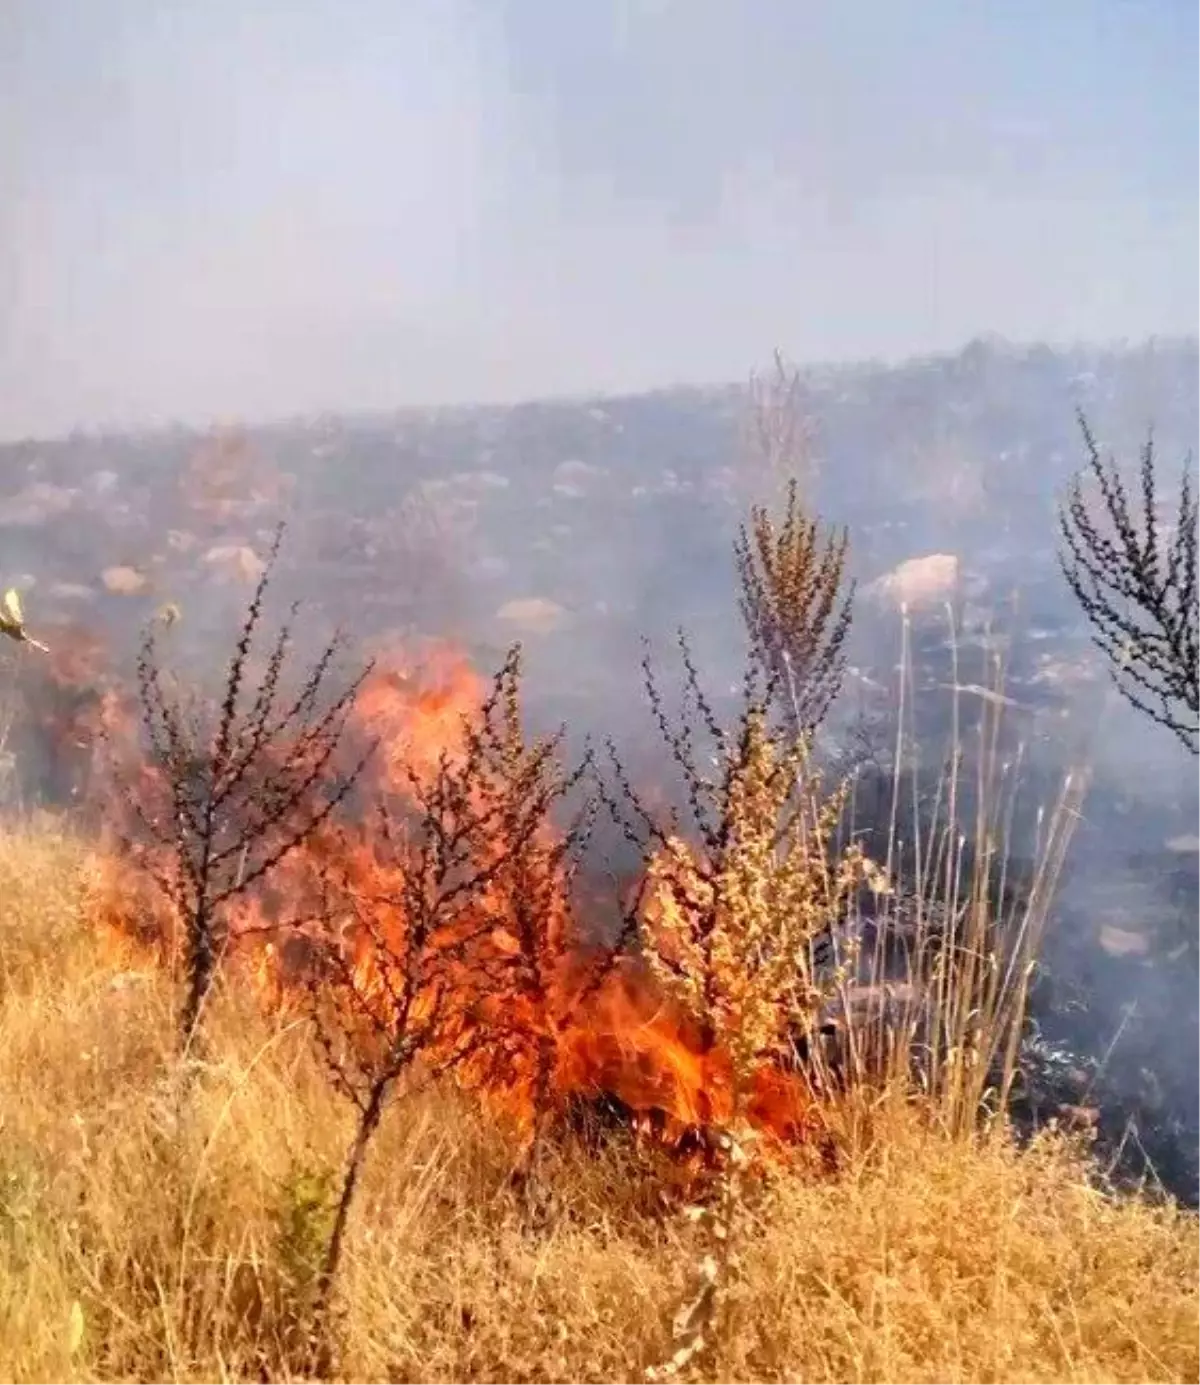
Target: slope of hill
column 586, row 525
column 583, row 525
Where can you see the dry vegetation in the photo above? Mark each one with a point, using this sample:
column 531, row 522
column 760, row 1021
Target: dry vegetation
column 132, row 1249
column 314, row 1064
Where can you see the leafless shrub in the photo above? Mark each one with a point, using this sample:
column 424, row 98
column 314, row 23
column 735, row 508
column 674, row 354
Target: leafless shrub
column 454, row 916
column 1137, row 586
column 779, row 436
column 540, row 970
column 233, row 793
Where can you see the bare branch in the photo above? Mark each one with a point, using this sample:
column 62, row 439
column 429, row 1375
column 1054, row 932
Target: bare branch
column 1137, row 591
column 243, row 790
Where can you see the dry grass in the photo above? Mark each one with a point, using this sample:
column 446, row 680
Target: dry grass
column 132, row 1248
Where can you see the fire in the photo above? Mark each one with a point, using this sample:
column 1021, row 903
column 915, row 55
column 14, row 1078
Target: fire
column 533, row 1011
column 417, row 715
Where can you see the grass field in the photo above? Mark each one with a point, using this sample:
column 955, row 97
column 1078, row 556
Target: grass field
column 134, row 1247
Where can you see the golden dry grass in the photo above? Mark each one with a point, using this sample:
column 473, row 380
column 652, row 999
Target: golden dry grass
column 132, row 1249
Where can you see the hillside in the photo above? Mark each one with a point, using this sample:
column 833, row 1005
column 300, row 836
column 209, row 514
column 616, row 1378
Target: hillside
column 612, row 508
column 589, row 524
column 581, row 526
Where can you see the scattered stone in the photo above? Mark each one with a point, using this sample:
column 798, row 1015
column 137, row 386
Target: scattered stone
column 71, row 591
column 1123, row 942
column 535, row 615
column 236, row 562
column 573, row 472
column 920, row 581
column 123, row 581
column 36, row 504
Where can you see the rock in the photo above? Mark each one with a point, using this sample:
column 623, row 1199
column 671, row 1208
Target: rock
column 71, row 591
column 36, row 504
column 576, row 473
column 236, row 562
column 572, row 479
column 858, row 1029
column 890, row 1003
column 1123, row 942
column 534, row 614
column 123, row 581
column 920, row 581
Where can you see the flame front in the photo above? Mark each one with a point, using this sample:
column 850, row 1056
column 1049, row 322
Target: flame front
column 532, row 1020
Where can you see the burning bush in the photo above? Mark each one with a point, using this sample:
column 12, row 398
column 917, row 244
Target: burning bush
column 226, row 799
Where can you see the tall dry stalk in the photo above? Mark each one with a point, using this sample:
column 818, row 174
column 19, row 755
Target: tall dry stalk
column 795, row 600
column 952, row 897
column 796, row 605
column 941, row 995
column 739, row 895
column 779, row 436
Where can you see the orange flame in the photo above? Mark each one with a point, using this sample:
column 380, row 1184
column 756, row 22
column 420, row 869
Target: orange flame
column 559, row 1037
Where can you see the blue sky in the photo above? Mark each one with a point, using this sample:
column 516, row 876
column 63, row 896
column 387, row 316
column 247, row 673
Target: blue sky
column 224, row 208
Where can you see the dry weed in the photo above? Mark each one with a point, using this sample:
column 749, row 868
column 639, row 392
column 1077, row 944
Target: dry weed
column 132, row 1250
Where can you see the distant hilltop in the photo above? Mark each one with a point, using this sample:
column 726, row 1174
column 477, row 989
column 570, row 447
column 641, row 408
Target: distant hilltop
column 572, row 515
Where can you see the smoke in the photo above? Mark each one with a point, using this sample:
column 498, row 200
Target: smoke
column 232, row 211
column 613, row 519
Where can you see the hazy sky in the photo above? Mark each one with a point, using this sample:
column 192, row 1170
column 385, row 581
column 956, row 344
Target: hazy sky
column 219, row 208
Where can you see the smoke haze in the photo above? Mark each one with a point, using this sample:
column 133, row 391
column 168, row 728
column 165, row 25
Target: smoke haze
column 230, row 210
